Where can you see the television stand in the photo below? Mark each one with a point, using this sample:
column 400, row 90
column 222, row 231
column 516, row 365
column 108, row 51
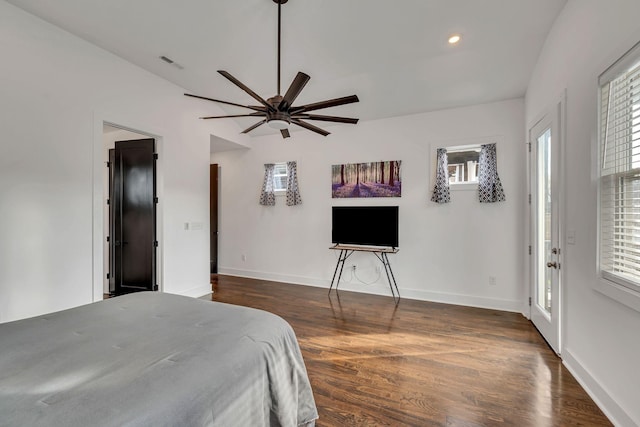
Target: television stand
column 380, row 252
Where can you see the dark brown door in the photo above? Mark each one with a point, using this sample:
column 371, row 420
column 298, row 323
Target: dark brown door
column 133, row 208
column 213, row 216
column 110, row 274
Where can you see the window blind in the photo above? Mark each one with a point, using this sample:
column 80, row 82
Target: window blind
column 620, row 171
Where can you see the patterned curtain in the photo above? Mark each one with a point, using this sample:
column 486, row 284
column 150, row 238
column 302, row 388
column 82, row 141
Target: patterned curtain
column 267, row 197
column 489, row 185
column 441, row 190
column 293, row 192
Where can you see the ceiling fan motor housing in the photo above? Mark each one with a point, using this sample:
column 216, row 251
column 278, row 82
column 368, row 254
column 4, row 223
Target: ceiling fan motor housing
column 280, row 116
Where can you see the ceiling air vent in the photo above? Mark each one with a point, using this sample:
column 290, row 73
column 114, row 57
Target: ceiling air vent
column 171, row 62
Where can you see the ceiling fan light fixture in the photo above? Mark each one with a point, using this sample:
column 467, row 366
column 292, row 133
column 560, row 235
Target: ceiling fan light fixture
column 278, row 124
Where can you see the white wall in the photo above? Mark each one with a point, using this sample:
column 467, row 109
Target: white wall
column 447, row 252
column 55, row 92
column 601, row 344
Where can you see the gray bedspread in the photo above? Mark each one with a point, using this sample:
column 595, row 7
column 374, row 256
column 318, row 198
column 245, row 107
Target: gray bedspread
column 153, row 359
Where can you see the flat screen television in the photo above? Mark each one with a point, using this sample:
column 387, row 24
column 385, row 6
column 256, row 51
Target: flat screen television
column 365, row 225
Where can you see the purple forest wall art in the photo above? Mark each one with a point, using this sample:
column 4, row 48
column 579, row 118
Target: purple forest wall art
column 374, row 179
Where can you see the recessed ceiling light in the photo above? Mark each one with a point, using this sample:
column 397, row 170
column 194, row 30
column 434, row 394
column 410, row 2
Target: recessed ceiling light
column 455, row 38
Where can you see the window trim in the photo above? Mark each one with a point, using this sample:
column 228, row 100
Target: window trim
column 609, row 284
column 617, row 292
column 459, row 145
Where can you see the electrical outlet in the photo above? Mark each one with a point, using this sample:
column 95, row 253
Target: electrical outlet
column 353, row 268
column 492, row 280
column 244, row 257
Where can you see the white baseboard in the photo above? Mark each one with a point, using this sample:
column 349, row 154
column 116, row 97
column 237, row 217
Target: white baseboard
column 383, row 289
column 467, row 300
column 195, row 292
column 275, row 277
column 616, row 414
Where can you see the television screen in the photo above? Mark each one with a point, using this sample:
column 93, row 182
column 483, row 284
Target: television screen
column 365, row 225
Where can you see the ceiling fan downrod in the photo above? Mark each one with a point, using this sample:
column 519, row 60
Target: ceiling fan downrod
column 280, row 3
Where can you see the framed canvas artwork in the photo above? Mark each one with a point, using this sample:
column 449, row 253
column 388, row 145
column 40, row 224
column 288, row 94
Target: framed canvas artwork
column 374, row 179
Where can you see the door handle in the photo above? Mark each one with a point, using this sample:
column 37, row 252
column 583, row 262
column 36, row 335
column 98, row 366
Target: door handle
column 552, row 264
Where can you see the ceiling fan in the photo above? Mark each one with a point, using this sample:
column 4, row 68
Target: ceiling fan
column 278, row 111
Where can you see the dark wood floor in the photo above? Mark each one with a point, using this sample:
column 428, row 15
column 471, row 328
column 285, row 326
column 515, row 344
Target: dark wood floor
column 372, row 363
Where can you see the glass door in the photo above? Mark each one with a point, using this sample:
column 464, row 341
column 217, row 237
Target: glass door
column 545, row 229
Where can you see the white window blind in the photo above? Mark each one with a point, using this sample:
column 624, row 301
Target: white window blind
column 619, row 137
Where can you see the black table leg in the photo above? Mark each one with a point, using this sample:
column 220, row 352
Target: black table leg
column 344, row 254
column 388, row 269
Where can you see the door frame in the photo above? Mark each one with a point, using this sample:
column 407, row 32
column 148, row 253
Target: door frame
column 556, row 114
column 100, row 156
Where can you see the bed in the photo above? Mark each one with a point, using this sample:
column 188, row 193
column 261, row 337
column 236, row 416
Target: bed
column 153, row 359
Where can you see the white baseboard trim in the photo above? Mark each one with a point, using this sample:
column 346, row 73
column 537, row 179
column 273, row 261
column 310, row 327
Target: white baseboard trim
column 196, row 292
column 466, row 300
column 275, row 277
column 616, row 414
column 383, row 289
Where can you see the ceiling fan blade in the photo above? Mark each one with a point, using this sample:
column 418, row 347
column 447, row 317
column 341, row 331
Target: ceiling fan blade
column 294, row 90
column 310, row 127
column 285, row 133
column 246, row 89
column 250, row 128
column 251, row 107
column 325, row 104
column 234, row 115
column 326, row 118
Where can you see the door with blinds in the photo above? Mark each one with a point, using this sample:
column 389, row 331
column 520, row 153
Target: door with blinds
column 545, row 139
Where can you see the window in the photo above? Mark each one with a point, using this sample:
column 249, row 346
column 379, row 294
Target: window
column 619, row 164
column 280, row 178
column 463, row 164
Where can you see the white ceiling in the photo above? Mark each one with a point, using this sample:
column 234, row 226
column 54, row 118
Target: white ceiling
column 392, row 54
